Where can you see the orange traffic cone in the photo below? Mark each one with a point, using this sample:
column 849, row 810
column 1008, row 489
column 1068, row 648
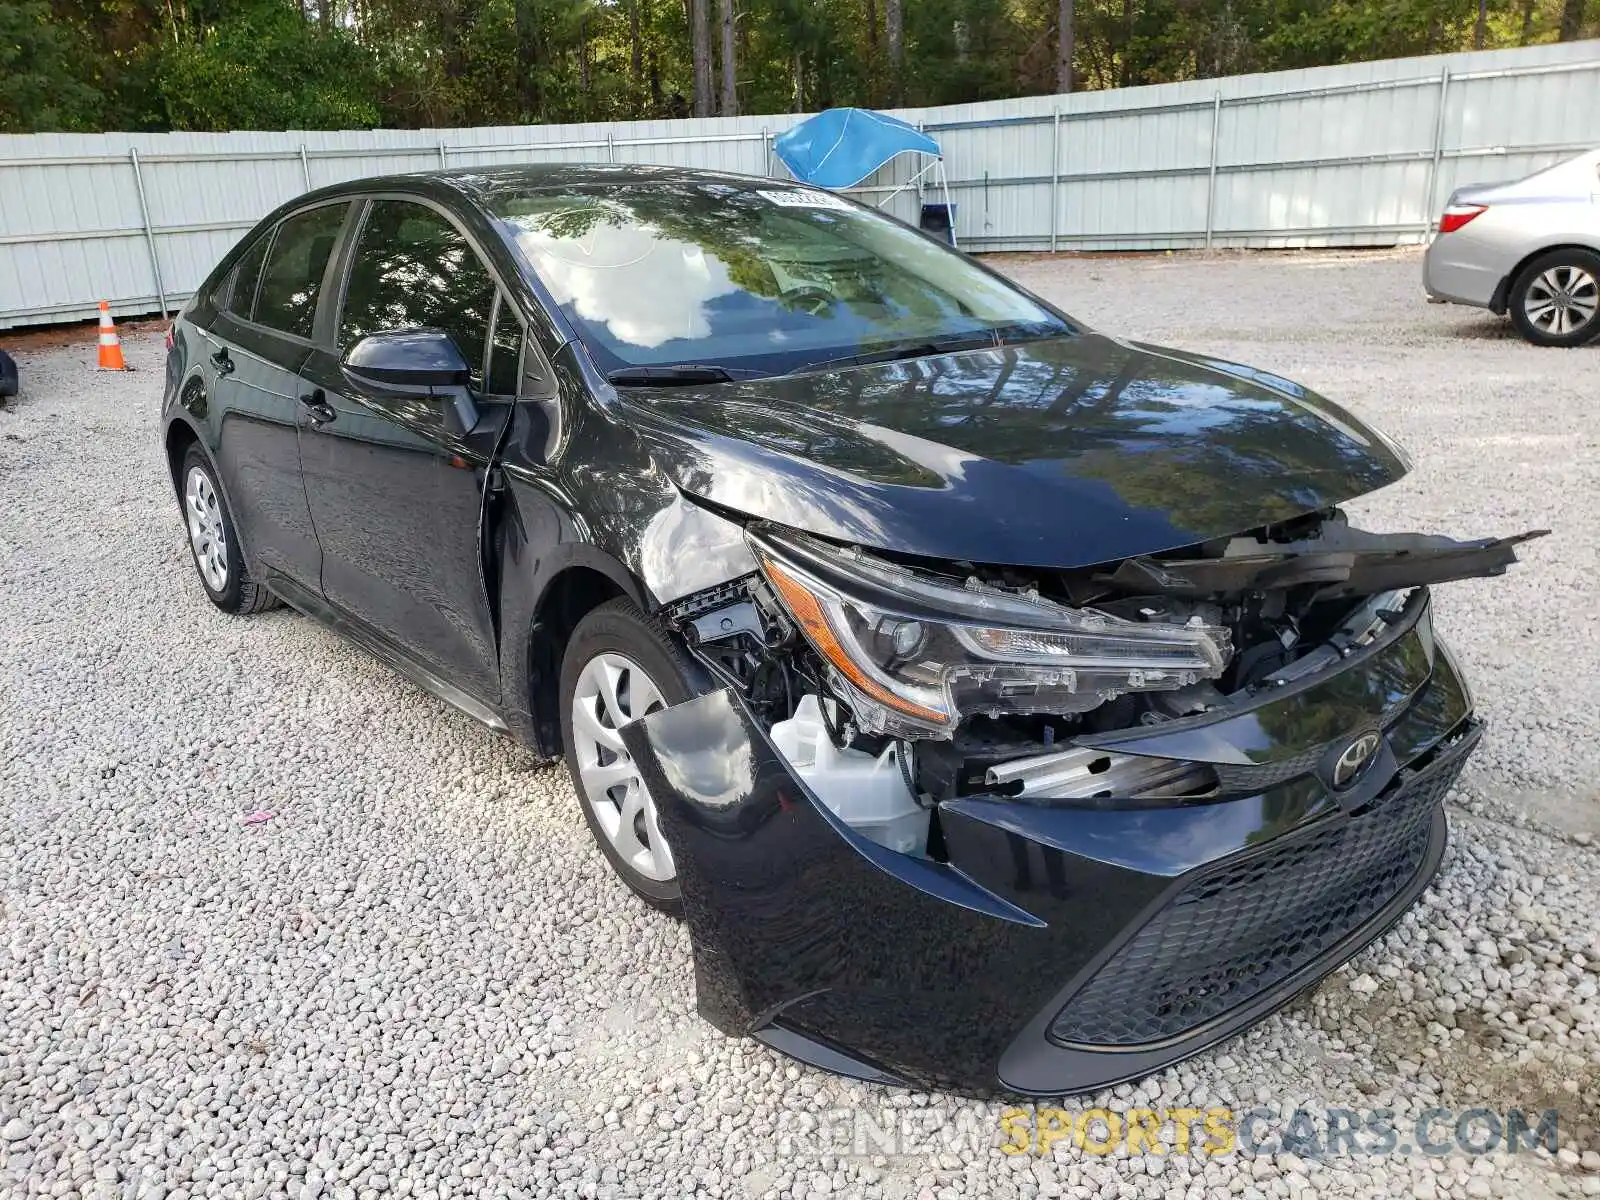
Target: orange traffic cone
column 110, row 343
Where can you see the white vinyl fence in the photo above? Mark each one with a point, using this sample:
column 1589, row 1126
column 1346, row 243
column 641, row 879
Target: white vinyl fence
column 1351, row 155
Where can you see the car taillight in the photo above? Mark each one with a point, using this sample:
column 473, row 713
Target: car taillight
column 1457, row 215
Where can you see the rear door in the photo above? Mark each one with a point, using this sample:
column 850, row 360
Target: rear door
column 256, row 346
column 397, row 500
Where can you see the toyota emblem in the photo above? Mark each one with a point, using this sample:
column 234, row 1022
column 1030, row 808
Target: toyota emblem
column 1353, row 760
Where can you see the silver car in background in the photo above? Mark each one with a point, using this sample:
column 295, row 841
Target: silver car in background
column 1529, row 248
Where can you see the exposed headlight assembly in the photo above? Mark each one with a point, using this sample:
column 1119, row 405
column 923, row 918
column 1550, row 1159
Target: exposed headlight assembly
column 915, row 654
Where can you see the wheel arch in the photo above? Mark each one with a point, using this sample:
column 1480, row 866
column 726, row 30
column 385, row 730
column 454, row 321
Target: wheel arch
column 1500, row 302
column 587, row 580
column 180, row 435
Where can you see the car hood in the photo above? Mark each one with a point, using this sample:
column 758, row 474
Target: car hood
column 1060, row 453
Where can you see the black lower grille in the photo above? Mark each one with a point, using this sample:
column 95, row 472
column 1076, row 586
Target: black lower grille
column 1232, row 934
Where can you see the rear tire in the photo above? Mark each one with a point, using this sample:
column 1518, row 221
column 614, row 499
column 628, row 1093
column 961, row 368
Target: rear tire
column 1555, row 299
column 621, row 665
column 213, row 542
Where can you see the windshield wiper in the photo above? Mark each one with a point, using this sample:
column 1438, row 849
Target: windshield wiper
column 670, row 376
column 1032, row 331
column 915, row 348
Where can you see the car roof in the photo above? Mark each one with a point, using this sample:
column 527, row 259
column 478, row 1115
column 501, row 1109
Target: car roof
column 484, row 184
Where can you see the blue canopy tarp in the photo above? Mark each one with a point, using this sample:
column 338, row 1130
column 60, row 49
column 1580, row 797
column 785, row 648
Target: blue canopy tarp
column 840, row 147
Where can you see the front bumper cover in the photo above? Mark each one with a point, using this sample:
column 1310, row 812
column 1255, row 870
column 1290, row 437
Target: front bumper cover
column 1059, row 949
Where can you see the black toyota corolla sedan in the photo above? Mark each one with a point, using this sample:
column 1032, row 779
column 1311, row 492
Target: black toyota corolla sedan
column 1005, row 706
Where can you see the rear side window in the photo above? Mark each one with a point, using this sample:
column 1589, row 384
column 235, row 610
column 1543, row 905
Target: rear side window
column 241, row 298
column 292, row 278
column 413, row 268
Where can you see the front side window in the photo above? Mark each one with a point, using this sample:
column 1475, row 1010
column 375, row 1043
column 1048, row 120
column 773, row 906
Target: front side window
column 759, row 278
column 292, row 278
column 413, row 268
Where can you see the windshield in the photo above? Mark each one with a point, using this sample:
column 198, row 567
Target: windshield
column 755, row 280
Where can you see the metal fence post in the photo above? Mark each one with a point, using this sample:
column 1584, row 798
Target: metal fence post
column 444, row 160
column 1438, row 148
column 305, row 165
column 1211, row 175
column 766, row 153
column 149, row 232
column 611, row 146
column 1055, row 177
column 921, row 128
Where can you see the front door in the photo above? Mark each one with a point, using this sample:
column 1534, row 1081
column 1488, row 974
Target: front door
column 396, row 499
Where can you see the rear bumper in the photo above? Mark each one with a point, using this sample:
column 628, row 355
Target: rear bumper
column 1457, row 271
column 1057, row 950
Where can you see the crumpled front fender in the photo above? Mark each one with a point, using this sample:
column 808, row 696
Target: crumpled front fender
column 784, row 902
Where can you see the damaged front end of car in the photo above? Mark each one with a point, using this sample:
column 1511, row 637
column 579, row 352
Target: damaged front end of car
column 1034, row 831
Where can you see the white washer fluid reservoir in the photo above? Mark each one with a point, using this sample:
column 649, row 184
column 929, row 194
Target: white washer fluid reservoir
column 868, row 794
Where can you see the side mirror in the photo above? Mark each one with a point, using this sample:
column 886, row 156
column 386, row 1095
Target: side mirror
column 414, row 364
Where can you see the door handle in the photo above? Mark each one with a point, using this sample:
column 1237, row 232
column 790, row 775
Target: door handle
column 222, row 362
column 317, row 406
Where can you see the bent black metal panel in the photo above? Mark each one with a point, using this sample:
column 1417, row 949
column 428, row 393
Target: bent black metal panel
column 1092, row 449
column 935, row 973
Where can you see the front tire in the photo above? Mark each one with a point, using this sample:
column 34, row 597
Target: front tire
column 1555, row 299
column 619, row 666
column 214, row 543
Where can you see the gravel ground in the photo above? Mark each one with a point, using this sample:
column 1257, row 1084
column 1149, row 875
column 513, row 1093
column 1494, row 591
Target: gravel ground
column 418, row 978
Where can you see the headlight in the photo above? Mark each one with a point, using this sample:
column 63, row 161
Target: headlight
column 916, row 654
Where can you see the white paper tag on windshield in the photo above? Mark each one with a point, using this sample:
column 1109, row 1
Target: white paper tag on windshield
column 798, row 199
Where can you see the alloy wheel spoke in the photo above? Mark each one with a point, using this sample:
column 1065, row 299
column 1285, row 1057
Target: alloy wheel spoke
column 632, row 803
column 585, row 721
column 643, row 696
column 610, row 680
column 602, row 777
column 626, row 837
column 660, row 854
column 642, row 860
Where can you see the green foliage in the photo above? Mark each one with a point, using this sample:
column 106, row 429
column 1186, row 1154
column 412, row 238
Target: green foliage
column 284, row 64
column 264, row 66
column 41, row 82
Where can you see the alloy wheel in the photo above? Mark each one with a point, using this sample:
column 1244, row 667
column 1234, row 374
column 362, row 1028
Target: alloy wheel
column 208, row 537
column 1562, row 300
column 611, row 691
